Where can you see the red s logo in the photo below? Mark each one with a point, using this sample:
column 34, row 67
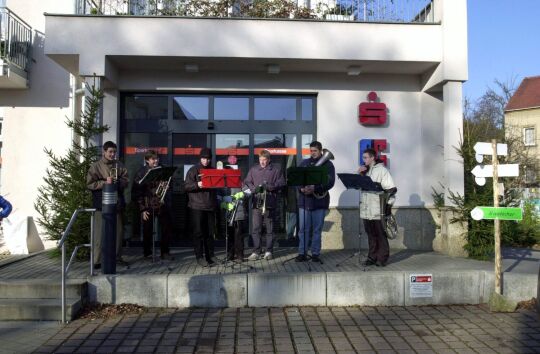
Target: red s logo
column 372, row 113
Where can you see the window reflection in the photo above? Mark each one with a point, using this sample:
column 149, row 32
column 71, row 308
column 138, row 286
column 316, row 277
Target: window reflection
column 190, row 108
column 146, row 107
column 307, row 109
column 231, row 108
column 275, row 108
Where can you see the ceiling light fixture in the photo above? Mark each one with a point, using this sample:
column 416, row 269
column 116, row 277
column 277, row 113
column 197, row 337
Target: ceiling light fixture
column 273, row 68
column 354, row 70
column 191, row 68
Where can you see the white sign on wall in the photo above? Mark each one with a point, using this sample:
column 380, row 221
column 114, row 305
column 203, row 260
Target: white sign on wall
column 421, row 285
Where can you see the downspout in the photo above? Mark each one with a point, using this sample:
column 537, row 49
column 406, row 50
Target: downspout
column 76, row 106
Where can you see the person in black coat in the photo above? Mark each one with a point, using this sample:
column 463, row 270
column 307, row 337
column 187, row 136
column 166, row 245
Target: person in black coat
column 202, row 205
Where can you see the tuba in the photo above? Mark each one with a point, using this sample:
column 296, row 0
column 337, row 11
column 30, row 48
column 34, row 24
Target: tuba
column 327, row 155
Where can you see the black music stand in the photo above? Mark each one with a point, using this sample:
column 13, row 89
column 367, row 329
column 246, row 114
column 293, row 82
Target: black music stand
column 158, row 174
column 360, row 183
column 305, row 176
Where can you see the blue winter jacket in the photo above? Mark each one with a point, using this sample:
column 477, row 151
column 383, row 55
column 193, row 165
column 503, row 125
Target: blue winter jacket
column 6, row 208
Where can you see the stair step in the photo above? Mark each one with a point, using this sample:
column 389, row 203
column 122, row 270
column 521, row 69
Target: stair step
column 37, row 309
column 41, row 288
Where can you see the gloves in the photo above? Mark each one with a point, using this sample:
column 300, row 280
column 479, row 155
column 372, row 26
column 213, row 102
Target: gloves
column 227, row 206
column 237, row 196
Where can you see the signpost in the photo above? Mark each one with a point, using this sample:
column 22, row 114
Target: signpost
column 481, row 172
column 490, row 213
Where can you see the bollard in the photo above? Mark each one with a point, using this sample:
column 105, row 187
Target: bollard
column 108, row 243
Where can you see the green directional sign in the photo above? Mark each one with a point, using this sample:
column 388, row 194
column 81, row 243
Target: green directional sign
column 491, row 213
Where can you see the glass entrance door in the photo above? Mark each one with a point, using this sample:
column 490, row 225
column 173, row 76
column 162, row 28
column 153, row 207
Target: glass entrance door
column 177, row 126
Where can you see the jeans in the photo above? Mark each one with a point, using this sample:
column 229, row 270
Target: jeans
column 310, row 220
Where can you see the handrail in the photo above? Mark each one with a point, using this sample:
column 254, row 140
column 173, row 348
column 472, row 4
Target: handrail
column 62, row 244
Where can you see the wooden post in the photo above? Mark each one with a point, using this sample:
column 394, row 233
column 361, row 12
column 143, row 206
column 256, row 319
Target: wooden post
column 497, row 227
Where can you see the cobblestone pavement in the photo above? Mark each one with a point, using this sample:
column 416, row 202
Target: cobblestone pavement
column 441, row 329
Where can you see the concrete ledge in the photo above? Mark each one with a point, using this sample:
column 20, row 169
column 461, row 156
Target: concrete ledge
column 367, row 289
column 300, row 289
column 145, row 290
column 463, row 287
column 516, row 287
column 207, row 290
column 376, row 288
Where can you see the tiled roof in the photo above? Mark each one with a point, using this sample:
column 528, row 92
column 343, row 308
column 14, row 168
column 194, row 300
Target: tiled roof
column 527, row 95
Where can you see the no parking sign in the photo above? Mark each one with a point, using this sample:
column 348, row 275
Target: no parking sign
column 421, row 285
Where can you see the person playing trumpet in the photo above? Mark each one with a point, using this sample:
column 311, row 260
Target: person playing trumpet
column 149, row 198
column 264, row 181
column 107, row 170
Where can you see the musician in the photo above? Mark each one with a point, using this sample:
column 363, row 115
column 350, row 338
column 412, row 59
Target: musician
column 150, row 205
column 107, row 170
column 313, row 202
column 370, row 209
column 202, row 205
column 235, row 197
column 264, row 181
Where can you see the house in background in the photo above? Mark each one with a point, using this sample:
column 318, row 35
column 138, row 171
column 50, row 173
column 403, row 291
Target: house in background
column 385, row 73
column 522, row 119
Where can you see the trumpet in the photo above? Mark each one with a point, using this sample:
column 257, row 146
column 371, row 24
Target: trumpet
column 161, row 190
column 261, row 198
column 113, row 173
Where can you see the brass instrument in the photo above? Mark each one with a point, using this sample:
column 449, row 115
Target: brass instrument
column 261, row 199
column 387, row 218
column 327, row 155
column 113, row 173
column 161, row 190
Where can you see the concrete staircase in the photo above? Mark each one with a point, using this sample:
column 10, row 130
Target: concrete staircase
column 40, row 299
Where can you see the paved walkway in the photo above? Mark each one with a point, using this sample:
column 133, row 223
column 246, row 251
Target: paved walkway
column 444, row 329
column 45, row 267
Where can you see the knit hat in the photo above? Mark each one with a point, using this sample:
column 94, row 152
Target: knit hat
column 206, row 153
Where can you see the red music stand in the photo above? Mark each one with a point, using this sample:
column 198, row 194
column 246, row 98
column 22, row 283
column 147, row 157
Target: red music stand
column 214, row 178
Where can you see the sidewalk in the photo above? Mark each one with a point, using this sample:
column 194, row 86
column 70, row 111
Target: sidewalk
column 443, row 329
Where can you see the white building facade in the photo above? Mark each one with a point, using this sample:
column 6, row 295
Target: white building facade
column 239, row 84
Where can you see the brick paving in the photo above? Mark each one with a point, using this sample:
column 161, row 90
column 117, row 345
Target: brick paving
column 430, row 329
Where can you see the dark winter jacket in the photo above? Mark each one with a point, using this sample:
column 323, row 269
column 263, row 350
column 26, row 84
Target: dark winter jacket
column 271, row 177
column 308, row 201
column 145, row 194
column 199, row 198
column 6, row 208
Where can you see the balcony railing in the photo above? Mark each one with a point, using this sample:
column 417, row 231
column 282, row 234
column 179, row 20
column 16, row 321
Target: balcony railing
column 386, row 11
column 15, row 39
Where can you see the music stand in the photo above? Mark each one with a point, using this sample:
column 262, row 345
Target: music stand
column 305, row 176
column 222, row 178
column 360, row 183
column 157, row 174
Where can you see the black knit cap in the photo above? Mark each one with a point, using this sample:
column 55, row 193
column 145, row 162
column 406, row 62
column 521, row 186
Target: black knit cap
column 206, row 152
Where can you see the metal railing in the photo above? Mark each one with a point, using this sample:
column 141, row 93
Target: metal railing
column 387, row 11
column 15, row 39
column 62, row 245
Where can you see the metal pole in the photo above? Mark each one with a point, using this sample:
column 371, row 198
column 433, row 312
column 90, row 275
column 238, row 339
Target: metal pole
column 92, row 243
column 497, row 227
column 64, row 283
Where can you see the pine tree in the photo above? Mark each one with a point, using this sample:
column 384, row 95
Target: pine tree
column 64, row 189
